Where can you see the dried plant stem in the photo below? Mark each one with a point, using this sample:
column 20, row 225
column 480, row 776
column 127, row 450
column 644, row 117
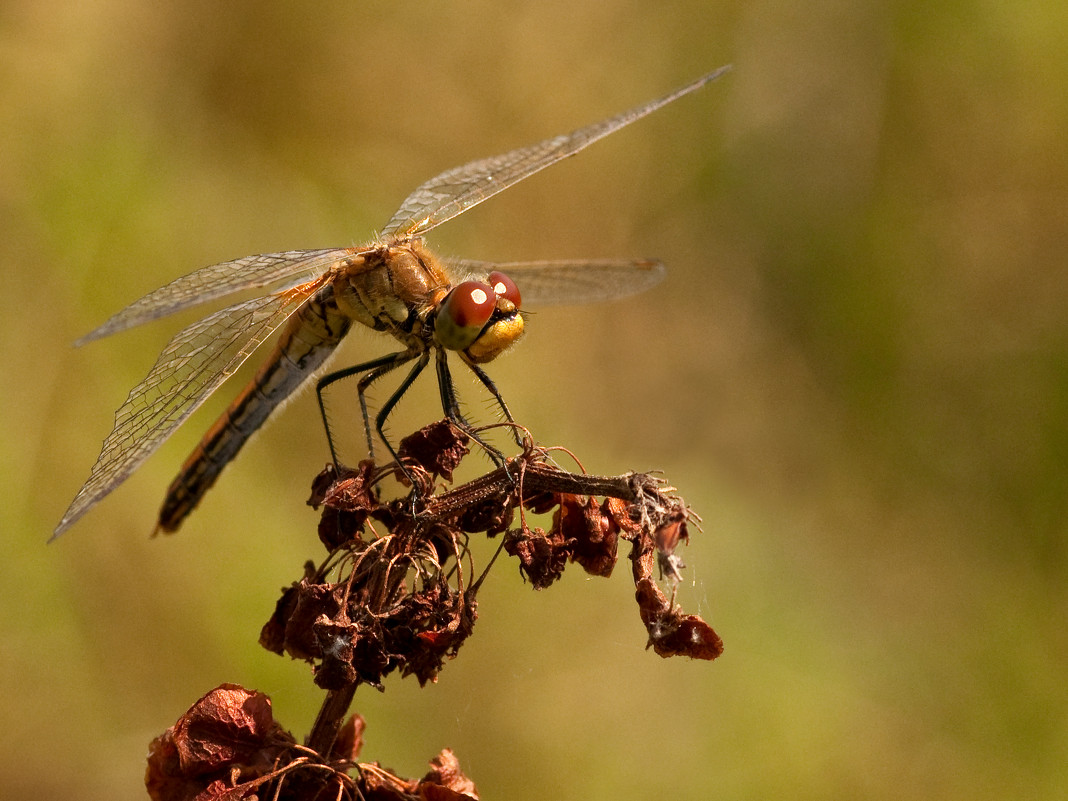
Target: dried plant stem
column 537, row 477
column 328, row 722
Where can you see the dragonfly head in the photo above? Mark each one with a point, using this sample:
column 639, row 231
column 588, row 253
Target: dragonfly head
column 480, row 319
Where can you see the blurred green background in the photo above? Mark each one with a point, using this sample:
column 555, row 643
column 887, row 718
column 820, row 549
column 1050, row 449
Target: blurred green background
column 857, row 373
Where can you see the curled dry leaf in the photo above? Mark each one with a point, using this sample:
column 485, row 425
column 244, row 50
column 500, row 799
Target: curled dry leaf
column 437, row 448
column 349, row 740
column 222, row 747
column 443, row 782
column 542, row 556
column 671, row 632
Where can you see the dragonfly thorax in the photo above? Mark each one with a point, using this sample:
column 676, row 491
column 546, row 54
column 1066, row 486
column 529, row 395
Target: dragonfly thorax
column 392, row 288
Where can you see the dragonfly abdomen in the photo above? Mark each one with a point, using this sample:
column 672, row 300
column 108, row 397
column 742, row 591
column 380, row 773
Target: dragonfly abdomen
column 307, row 341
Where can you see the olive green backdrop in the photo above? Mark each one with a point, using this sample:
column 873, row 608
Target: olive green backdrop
column 856, row 372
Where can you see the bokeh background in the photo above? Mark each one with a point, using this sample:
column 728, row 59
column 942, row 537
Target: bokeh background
column 857, row 373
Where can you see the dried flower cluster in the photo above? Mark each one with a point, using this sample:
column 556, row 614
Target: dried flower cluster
column 393, row 595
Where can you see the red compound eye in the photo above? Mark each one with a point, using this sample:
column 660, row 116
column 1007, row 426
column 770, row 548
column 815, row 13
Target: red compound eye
column 504, row 287
column 470, row 304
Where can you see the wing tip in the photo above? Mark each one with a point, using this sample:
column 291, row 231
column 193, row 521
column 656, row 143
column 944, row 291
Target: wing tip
column 655, row 269
column 60, row 529
column 716, row 73
column 93, row 336
column 78, row 507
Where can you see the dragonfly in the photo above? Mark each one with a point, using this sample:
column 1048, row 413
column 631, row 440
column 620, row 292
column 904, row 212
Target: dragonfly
column 395, row 285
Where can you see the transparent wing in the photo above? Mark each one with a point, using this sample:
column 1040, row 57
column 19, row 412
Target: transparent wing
column 217, row 280
column 192, row 366
column 566, row 283
column 457, row 190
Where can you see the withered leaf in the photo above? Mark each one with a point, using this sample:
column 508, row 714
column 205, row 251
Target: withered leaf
column 313, row 601
column 672, row 633
column 336, row 642
column 445, row 781
column 273, row 633
column 227, row 738
column 541, row 502
column 438, row 448
column 348, row 501
column 542, row 557
column 620, row 512
column 590, row 534
column 349, row 740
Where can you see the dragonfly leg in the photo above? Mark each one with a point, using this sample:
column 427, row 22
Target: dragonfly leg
column 374, row 369
column 450, row 404
column 487, row 382
column 387, row 407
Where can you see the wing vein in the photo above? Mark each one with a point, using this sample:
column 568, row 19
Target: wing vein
column 192, row 366
column 218, row 280
column 455, row 191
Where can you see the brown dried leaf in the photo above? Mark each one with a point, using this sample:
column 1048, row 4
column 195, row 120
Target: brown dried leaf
column 273, row 633
column 229, row 724
column 438, row 448
column 348, row 498
column 669, row 535
column 672, row 633
column 492, row 513
column 619, row 512
column 336, row 642
column 541, row 502
column 446, row 782
column 542, row 557
column 349, row 740
column 313, row 601
column 591, row 535
column 227, row 738
column 447, row 619
column 379, row 784
column 321, row 484
column 689, row 636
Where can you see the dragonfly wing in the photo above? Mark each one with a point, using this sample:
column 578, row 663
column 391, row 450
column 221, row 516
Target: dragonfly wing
column 218, row 280
column 456, row 190
column 568, row 283
column 192, row 366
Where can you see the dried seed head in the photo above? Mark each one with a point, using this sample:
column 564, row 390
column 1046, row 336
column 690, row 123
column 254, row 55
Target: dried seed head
column 396, row 599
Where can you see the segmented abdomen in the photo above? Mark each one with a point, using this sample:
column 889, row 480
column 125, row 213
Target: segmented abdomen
column 306, row 342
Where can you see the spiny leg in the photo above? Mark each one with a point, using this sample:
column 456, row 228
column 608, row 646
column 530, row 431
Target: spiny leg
column 451, row 405
column 387, row 407
column 361, row 392
column 487, row 382
column 374, row 369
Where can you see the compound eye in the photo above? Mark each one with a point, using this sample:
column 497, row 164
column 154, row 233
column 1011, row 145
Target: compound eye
column 470, row 304
column 504, row 287
column 464, row 313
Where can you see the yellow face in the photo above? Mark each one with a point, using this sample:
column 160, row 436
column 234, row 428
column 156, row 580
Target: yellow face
column 495, row 339
column 480, row 320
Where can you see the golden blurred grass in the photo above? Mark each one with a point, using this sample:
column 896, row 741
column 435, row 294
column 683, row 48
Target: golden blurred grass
column 856, row 373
